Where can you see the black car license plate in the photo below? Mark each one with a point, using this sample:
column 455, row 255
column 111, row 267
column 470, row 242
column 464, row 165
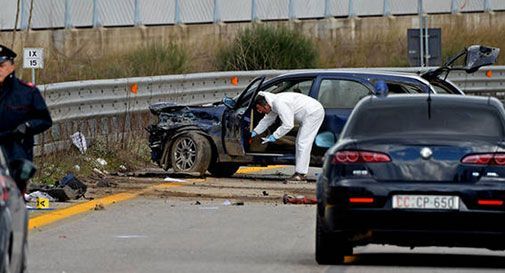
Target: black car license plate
column 443, row 202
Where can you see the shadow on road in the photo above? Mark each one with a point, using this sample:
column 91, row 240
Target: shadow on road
column 428, row 260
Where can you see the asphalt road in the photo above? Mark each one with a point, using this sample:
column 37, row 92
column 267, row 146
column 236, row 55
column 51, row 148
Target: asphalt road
column 159, row 232
column 168, row 235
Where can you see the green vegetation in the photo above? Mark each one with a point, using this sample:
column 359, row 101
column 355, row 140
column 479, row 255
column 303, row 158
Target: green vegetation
column 262, row 47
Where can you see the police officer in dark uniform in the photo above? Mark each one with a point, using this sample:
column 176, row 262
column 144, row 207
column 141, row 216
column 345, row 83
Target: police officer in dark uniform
column 23, row 112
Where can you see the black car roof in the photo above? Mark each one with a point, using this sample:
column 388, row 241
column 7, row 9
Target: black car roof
column 370, row 101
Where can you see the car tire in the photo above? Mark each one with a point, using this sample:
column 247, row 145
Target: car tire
column 190, row 153
column 223, row 169
column 331, row 248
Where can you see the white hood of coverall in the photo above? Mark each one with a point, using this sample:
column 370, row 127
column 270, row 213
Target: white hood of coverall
column 289, row 107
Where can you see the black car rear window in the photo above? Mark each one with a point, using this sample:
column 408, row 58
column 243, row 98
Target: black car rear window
column 411, row 119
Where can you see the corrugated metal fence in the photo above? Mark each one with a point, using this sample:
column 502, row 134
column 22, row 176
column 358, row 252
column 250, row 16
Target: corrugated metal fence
column 114, row 108
column 48, row 14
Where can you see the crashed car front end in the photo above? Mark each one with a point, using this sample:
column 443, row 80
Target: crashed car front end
column 173, row 119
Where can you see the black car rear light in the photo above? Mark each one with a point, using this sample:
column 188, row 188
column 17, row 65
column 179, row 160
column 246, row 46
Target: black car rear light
column 490, row 202
column 361, row 200
column 353, row 156
column 485, row 159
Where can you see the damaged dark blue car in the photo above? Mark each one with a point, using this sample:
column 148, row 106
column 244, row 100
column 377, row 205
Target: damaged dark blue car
column 216, row 137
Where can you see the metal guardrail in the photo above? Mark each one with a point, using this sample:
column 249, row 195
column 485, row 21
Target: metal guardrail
column 111, row 107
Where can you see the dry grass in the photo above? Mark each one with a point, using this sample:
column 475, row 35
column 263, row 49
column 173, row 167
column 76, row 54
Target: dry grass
column 132, row 154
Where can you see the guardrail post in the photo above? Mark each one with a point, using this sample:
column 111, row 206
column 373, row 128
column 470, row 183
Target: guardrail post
column 454, row 6
column 327, row 9
column 352, row 13
column 291, row 10
column 96, row 15
column 68, row 14
column 178, row 12
column 24, row 15
column 137, row 19
column 254, row 16
column 217, row 13
column 487, row 6
column 386, row 8
column 420, row 10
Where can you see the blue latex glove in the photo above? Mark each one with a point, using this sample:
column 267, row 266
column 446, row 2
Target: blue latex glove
column 268, row 139
column 253, row 134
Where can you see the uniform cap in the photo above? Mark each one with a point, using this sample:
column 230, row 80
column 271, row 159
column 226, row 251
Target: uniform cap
column 6, row 54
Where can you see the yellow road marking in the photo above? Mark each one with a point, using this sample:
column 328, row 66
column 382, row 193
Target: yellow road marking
column 258, row 169
column 51, row 217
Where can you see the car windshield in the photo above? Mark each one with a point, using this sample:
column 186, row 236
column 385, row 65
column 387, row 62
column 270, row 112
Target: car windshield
column 387, row 120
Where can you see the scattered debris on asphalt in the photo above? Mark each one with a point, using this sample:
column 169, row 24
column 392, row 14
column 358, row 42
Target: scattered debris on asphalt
column 265, row 193
column 197, row 203
column 32, row 197
column 99, row 206
column 68, row 188
column 106, row 183
column 299, row 199
column 170, row 179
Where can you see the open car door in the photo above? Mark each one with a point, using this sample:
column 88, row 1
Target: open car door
column 475, row 57
column 235, row 122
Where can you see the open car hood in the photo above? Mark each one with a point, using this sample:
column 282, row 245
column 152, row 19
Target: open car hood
column 475, row 56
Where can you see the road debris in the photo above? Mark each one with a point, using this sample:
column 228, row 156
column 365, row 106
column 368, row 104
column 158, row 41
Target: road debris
column 79, row 141
column 238, row 203
column 99, row 206
column 170, row 179
column 265, row 193
column 69, row 187
column 299, row 199
column 106, row 183
column 101, row 161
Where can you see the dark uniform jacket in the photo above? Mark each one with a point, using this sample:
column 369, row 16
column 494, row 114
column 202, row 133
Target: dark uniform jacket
column 21, row 103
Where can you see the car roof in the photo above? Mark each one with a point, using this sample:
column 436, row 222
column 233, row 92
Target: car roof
column 349, row 72
column 402, row 99
column 353, row 73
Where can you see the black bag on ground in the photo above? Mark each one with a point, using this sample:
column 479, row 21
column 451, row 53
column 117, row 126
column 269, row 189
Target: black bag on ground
column 73, row 188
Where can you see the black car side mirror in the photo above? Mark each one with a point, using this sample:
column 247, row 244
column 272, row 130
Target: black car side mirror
column 21, row 171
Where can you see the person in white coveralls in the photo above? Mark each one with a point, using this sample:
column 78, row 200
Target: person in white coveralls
column 291, row 107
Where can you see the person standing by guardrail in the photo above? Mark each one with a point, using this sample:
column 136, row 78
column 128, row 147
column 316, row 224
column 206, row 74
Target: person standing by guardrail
column 23, row 111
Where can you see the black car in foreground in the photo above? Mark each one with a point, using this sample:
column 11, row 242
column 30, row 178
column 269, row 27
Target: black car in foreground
column 416, row 170
column 13, row 214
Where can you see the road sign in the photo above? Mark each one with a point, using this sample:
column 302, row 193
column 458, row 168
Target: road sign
column 33, row 58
